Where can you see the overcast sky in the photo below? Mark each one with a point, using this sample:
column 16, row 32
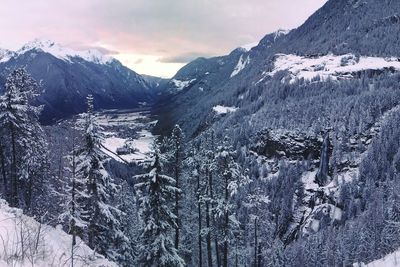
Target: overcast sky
column 154, row 37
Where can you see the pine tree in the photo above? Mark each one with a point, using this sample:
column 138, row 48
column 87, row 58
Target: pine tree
column 74, row 195
column 199, row 181
column 156, row 197
column 104, row 232
column 175, row 155
column 23, row 149
column 231, row 180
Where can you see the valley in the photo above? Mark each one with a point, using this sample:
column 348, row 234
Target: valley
column 127, row 134
column 282, row 153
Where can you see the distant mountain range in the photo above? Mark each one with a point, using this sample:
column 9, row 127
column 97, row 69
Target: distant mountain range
column 343, row 39
column 68, row 76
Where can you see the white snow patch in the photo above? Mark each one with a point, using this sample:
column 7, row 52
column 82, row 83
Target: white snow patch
column 180, row 85
column 315, row 225
column 5, row 55
column 279, row 33
column 53, row 244
column 64, row 53
column 348, row 176
column 308, row 179
column 390, row 260
column 337, row 214
column 242, row 63
column 224, row 110
column 248, row 47
column 329, row 66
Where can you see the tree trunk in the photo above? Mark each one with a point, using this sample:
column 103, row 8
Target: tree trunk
column 255, row 243
column 177, row 198
column 3, row 172
column 208, row 237
column 14, row 178
column 226, row 225
column 199, row 222
column 216, row 246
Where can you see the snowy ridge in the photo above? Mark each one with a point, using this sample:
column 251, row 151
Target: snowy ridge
column 248, row 47
column 328, row 67
column 223, row 110
column 180, row 85
column 45, row 245
column 280, row 33
column 242, row 63
column 5, row 55
column 64, row 53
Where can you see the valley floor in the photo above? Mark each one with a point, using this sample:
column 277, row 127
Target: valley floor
column 128, row 136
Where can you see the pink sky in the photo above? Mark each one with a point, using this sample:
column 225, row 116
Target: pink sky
column 154, row 37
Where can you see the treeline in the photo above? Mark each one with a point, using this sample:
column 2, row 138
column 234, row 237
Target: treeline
column 207, row 201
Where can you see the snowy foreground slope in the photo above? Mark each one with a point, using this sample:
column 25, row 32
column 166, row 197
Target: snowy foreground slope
column 26, row 242
column 390, row 260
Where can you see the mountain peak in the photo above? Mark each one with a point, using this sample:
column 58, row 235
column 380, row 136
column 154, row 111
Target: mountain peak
column 65, row 53
column 5, row 55
column 38, row 44
column 280, row 33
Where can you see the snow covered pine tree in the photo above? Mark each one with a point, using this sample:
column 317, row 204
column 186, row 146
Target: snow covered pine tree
column 156, row 195
column 102, row 218
column 23, row 148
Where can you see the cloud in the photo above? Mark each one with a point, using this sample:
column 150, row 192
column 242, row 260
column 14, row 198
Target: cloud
column 173, row 30
column 138, row 61
column 183, row 58
column 103, row 50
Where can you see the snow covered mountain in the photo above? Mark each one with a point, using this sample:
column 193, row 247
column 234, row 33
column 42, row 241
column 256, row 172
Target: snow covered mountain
column 337, row 42
column 313, row 114
column 68, row 76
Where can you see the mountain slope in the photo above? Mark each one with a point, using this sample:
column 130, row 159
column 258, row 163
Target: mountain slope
column 350, row 32
column 68, row 76
column 314, row 114
column 197, row 83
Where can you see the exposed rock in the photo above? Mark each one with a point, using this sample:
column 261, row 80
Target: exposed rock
column 287, row 144
column 322, row 176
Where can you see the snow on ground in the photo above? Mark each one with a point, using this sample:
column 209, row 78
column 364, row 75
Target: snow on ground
column 242, row 63
column 127, row 134
column 180, row 85
column 308, row 179
column 5, row 55
column 65, row 53
column 329, row 66
column 390, row 260
column 280, row 32
column 248, row 47
column 26, row 242
column 223, row 110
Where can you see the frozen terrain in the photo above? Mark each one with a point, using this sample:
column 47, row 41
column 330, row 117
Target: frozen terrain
column 329, row 66
column 26, row 242
column 390, row 260
column 65, row 53
column 180, row 85
column 223, row 109
column 242, row 63
column 127, row 134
